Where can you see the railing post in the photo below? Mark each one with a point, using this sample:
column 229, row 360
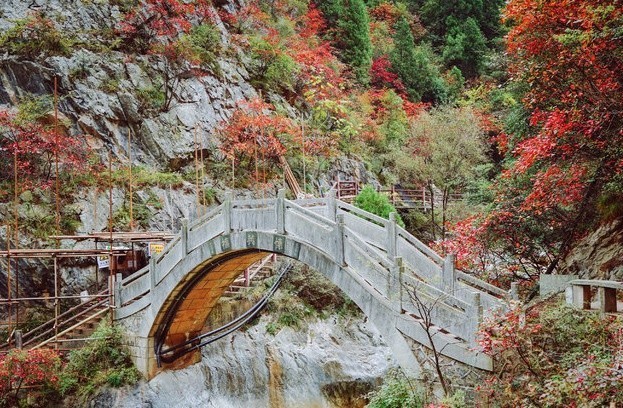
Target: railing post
column 449, row 274
column 281, row 211
column 152, row 274
column 394, row 284
column 339, row 240
column 475, row 315
column 331, row 205
column 117, row 289
column 227, row 210
column 18, row 339
column 184, row 236
column 391, row 236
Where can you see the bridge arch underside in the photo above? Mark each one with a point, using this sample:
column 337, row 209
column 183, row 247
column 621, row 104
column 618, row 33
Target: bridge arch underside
column 186, row 294
column 184, row 313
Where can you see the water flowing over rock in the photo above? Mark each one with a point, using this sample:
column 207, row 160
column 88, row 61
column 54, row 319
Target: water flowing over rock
column 332, row 363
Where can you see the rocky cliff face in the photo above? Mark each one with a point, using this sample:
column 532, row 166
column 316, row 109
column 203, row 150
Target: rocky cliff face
column 331, row 363
column 599, row 255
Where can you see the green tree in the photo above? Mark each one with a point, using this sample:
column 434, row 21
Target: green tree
column 376, row 203
column 446, row 145
column 465, row 48
column 354, row 39
column 331, row 10
column 413, row 66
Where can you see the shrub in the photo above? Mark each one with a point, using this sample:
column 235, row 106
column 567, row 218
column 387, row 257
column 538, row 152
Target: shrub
column 397, row 391
column 27, row 368
column 554, row 355
column 376, row 203
column 103, row 361
column 35, row 36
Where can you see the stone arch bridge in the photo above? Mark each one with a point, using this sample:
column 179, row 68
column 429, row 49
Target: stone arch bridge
column 375, row 262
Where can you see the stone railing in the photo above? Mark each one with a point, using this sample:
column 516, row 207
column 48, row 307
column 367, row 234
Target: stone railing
column 393, row 264
column 582, row 294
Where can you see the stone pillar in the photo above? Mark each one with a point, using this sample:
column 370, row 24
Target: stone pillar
column 581, row 296
column 515, row 291
column 280, row 210
column 116, row 286
column 475, row 316
column 184, row 236
column 18, row 339
column 391, row 236
column 339, row 240
column 394, row 284
column 331, row 205
column 153, row 281
column 449, row 274
column 227, row 210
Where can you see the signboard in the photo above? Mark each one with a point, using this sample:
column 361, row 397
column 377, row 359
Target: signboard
column 103, row 261
column 155, row 249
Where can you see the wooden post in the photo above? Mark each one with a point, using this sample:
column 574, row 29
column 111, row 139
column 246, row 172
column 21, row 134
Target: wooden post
column 57, row 305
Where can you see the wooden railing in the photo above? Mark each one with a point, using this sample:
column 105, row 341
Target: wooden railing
column 401, row 198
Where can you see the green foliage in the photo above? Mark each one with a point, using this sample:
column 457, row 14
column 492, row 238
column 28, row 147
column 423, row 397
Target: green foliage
column 103, row 361
column 36, row 37
column 376, row 203
column 332, row 11
column 205, row 42
column 354, row 39
column 33, row 108
column 272, row 68
column 151, row 97
column 397, row 391
column 465, row 48
column 306, row 294
column 414, row 66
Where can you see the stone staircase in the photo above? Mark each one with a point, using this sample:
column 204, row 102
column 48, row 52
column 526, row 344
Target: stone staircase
column 253, row 275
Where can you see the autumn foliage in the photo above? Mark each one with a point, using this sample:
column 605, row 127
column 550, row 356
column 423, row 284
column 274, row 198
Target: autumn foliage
column 553, row 355
column 567, row 57
column 35, row 149
column 32, row 368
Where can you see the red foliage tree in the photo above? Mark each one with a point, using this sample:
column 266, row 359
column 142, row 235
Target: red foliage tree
column 20, row 368
column 35, row 149
column 253, row 131
column 570, row 56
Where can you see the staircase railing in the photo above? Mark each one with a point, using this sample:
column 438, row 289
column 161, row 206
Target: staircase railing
column 57, row 325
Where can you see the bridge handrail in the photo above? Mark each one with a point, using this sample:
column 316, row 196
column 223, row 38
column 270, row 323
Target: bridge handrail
column 445, row 298
column 610, row 284
column 362, row 213
column 481, row 285
column 168, row 248
column 136, row 275
column 254, row 203
column 289, row 204
column 381, row 258
column 206, row 218
column 419, row 245
column 311, row 202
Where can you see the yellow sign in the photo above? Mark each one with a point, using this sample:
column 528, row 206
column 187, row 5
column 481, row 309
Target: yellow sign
column 155, row 249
